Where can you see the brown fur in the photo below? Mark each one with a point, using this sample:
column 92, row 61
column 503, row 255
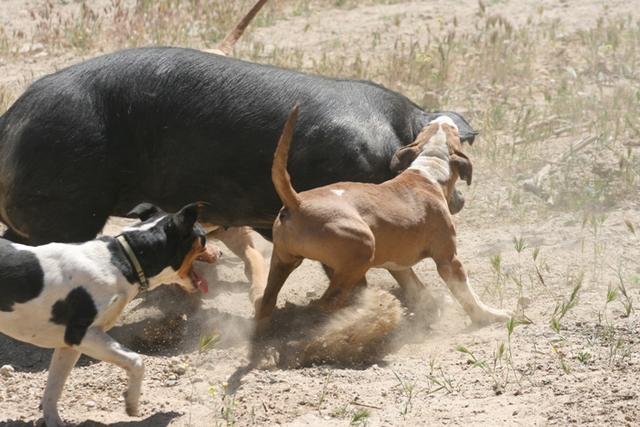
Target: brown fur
column 351, row 227
column 279, row 174
column 197, row 250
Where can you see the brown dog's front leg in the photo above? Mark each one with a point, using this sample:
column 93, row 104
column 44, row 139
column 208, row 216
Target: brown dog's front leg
column 454, row 275
column 278, row 273
column 340, row 289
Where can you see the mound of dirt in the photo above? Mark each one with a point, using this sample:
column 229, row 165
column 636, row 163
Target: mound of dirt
column 355, row 335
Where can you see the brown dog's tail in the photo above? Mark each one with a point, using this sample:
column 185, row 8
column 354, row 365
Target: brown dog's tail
column 226, row 47
column 279, row 175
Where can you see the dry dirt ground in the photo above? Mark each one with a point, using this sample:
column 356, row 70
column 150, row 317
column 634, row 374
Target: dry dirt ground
column 554, row 86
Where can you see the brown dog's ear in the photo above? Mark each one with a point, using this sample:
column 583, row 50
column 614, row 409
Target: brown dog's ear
column 407, row 154
column 403, row 157
column 463, row 165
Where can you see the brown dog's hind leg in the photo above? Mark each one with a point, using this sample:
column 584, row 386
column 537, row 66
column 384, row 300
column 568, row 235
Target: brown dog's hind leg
column 454, row 275
column 278, row 273
column 362, row 283
column 62, row 362
column 342, row 284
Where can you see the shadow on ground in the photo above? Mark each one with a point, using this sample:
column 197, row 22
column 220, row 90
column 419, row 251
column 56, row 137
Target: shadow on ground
column 160, row 419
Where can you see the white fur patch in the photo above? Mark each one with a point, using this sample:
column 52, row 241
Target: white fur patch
column 145, row 226
column 444, row 119
column 66, row 267
column 338, row 192
column 433, row 161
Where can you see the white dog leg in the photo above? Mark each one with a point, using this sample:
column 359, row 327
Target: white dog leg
column 454, row 275
column 101, row 346
column 62, row 361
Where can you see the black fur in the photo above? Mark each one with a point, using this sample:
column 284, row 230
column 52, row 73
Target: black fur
column 172, row 126
column 164, row 245
column 77, row 312
column 119, row 259
column 21, row 277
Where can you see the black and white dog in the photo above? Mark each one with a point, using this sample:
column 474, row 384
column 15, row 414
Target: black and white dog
column 66, row 296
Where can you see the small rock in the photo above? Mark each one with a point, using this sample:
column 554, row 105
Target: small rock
column 90, row 404
column 179, row 369
column 7, row 371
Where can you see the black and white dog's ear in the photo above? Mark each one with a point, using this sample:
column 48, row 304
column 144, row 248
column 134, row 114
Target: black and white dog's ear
column 187, row 217
column 144, row 211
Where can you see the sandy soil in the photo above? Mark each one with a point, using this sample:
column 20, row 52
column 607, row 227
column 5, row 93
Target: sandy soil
column 587, row 373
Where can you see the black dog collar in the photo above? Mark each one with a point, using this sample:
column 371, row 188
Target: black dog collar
column 144, row 283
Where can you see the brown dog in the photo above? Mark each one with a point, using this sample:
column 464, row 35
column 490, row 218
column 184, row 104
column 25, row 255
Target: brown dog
column 351, row 227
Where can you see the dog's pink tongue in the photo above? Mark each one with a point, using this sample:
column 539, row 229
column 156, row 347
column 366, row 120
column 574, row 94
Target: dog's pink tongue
column 199, row 281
